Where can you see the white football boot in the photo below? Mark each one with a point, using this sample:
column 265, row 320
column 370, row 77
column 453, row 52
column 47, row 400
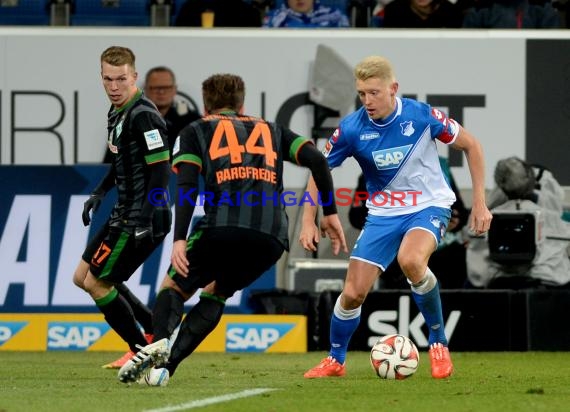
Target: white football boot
column 149, row 356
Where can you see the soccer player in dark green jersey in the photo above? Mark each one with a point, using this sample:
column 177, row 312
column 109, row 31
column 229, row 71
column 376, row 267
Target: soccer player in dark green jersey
column 140, row 218
column 244, row 230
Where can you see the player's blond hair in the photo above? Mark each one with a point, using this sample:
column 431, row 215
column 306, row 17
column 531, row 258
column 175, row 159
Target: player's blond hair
column 375, row 66
column 118, row 56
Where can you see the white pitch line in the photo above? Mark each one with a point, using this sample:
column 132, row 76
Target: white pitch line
column 210, row 401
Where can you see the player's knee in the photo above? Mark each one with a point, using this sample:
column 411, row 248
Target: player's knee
column 352, row 298
column 79, row 276
column 78, row 280
column 80, row 273
column 413, row 266
column 95, row 287
column 220, row 290
column 185, row 295
column 168, row 283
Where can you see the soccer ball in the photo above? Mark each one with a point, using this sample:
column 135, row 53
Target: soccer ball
column 394, row 357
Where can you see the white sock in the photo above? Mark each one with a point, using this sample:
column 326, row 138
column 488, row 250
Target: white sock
column 427, row 283
column 345, row 314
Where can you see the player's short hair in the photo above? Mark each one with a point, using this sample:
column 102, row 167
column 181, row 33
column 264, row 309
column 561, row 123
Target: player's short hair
column 118, row 56
column 375, row 66
column 160, row 69
column 221, row 91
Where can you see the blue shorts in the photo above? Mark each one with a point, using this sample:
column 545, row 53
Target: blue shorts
column 381, row 236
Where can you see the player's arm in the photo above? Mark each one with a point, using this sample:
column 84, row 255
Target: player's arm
column 97, row 195
column 187, row 165
column 152, row 129
column 292, row 145
column 451, row 132
column 157, row 183
column 187, row 195
column 480, row 220
column 320, row 181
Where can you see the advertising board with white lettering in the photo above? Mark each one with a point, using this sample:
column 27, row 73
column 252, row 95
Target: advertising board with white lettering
column 474, row 320
column 42, row 238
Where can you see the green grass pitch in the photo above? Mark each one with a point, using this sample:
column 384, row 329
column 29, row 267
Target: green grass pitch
column 75, row 381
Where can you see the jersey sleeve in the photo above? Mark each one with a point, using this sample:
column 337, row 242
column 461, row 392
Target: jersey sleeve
column 443, row 128
column 337, row 148
column 186, row 149
column 291, row 145
column 151, row 128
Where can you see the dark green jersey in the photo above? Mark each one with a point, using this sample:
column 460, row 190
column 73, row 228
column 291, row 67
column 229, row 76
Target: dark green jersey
column 241, row 160
column 137, row 139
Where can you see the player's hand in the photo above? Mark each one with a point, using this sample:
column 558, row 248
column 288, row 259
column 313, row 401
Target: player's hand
column 91, row 204
column 480, row 219
column 309, row 236
column 178, row 259
column 142, row 234
column 331, row 227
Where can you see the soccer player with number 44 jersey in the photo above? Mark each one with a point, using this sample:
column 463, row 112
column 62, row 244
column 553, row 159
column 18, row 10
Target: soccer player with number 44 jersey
column 240, row 157
column 394, row 142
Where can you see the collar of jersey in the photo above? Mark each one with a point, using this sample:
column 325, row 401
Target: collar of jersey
column 385, row 122
column 130, row 102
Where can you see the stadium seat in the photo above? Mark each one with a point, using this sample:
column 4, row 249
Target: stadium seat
column 24, row 12
column 110, row 13
column 161, row 12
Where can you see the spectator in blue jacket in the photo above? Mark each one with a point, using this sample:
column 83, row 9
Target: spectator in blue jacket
column 305, row 13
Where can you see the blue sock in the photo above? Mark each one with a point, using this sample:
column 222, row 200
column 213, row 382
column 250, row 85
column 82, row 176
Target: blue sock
column 343, row 324
column 426, row 296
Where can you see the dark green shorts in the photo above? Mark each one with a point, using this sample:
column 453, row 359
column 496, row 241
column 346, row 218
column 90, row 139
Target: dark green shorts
column 233, row 257
column 113, row 255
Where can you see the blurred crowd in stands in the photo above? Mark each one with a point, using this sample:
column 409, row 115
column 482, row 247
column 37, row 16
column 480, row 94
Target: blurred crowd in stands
column 486, row 14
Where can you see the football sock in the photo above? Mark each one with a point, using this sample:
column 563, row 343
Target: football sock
column 198, row 323
column 142, row 313
column 120, row 317
column 426, row 296
column 167, row 313
column 343, row 324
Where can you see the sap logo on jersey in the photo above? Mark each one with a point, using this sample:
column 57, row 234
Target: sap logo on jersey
column 74, row 335
column 390, row 158
column 9, row 329
column 254, row 337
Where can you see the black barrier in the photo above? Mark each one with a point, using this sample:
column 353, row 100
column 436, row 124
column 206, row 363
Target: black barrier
column 548, row 320
column 475, row 320
column 284, row 302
